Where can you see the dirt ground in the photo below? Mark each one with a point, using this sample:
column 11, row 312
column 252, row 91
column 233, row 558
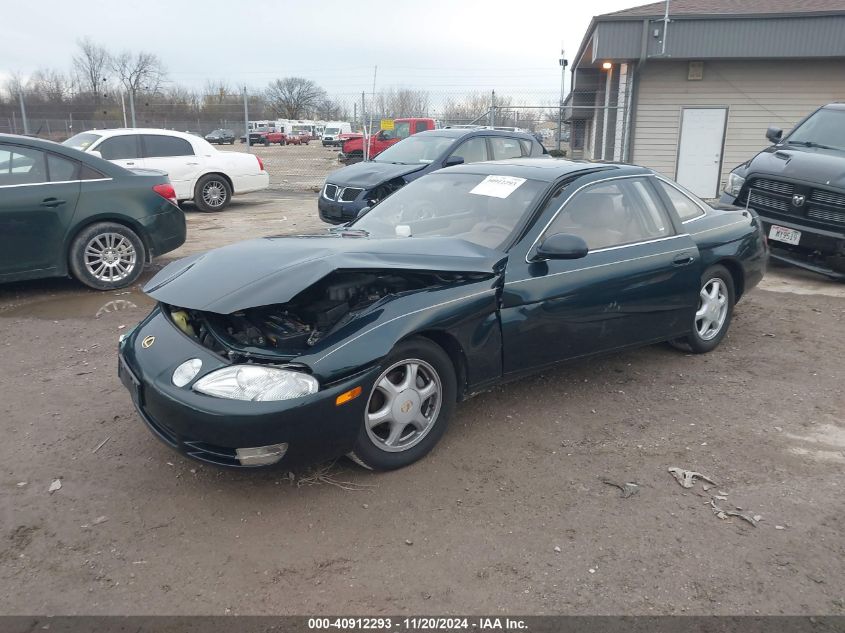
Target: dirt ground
column 507, row 515
column 293, row 167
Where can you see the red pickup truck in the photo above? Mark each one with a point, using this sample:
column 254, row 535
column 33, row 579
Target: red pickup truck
column 266, row 136
column 353, row 149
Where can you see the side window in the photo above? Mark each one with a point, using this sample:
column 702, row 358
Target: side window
column 119, row 147
column 22, row 165
column 613, row 213
column 61, row 169
column 526, row 147
column 156, row 146
column 472, row 151
column 89, row 173
column 686, row 207
column 504, row 148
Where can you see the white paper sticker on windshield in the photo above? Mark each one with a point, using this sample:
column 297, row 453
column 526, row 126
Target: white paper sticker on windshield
column 497, row 186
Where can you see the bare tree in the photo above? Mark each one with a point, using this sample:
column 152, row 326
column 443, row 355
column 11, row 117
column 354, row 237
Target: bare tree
column 92, row 66
column 294, row 97
column 138, row 72
column 49, row 85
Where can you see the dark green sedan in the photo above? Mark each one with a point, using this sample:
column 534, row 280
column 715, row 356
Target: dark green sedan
column 64, row 212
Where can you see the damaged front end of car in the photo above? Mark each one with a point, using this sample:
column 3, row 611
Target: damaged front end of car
column 284, row 331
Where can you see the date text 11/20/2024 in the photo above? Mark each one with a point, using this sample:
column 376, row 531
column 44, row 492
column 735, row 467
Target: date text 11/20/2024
column 418, row 624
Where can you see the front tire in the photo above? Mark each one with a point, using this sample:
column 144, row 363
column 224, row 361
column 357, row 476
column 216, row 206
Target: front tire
column 212, row 193
column 408, row 408
column 715, row 310
column 107, row 256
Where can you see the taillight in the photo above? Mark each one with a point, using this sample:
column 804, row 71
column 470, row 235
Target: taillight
column 166, row 191
column 260, row 164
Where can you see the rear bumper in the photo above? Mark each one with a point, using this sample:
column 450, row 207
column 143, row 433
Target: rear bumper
column 165, row 231
column 252, row 182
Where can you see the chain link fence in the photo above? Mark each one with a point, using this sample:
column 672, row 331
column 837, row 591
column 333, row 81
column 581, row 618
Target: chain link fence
column 588, row 125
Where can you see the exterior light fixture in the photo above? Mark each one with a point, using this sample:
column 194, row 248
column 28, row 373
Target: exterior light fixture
column 606, row 66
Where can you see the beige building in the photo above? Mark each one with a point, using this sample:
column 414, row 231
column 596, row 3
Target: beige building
column 691, row 93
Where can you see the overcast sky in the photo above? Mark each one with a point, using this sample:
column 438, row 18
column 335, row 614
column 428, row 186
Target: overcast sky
column 440, row 45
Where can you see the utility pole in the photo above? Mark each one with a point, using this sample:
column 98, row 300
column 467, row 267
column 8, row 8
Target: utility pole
column 372, row 106
column 492, row 117
column 563, row 63
column 123, row 106
column 364, row 127
column 246, row 119
column 23, row 112
column 132, row 105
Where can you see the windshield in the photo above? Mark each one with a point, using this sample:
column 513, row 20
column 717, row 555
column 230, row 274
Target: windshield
column 826, row 127
column 82, row 141
column 331, row 130
column 415, row 150
column 474, row 207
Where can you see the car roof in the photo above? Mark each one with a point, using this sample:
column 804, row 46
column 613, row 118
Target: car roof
column 99, row 164
column 451, row 132
column 835, row 106
column 142, row 130
column 542, row 169
column 31, row 141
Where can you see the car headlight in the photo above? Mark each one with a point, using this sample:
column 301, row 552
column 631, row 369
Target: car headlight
column 256, row 383
column 735, row 182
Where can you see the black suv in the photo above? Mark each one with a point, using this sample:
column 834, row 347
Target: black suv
column 220, row 137
column 797, row 186
column 350, row 189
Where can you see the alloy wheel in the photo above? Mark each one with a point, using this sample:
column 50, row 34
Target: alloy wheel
column 712, row 309
column 110, row 257
column 403, row 405
column 214, row 193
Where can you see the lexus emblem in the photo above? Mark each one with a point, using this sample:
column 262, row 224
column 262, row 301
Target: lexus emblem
column 148, row 342
column 798, row 200
column 406, row 406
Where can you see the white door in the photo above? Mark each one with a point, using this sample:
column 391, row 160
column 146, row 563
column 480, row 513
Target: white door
column 700, row 150
column 177, row 157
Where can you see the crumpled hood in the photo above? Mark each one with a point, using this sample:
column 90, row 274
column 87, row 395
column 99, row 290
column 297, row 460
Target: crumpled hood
column 370, row 174
column 275, row 269
column 809, row 164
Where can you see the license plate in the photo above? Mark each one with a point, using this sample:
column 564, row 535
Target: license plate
column 783, row 234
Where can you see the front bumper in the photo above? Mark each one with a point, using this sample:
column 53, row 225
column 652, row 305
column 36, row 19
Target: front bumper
column 209, row 429
column 337, row 212
column 819, row 250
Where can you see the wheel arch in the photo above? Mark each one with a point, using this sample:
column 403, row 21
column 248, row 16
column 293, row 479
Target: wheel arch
column 212, row 172
column 737, row 275
column 449, row 344
column 106, row 219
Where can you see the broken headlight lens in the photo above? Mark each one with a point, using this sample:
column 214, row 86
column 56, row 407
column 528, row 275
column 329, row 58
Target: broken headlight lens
column 256, row 383
column 735, row 182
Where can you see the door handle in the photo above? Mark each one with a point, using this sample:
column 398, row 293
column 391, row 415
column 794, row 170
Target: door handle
column 52, row 202
column 683, row 259
column 129, row 163
column 192, row 163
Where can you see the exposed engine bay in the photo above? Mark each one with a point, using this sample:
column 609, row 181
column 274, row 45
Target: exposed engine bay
column 316, row 312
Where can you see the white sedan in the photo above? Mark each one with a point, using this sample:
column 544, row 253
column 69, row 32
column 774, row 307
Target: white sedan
column 198, row 171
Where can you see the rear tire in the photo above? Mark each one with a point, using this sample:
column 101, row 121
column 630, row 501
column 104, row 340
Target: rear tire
column 107, row 256
column 212, row 193
column 409, row 407
column 715, row 311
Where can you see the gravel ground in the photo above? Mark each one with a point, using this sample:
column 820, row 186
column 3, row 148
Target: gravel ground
column 294, row 167
column 507, row 515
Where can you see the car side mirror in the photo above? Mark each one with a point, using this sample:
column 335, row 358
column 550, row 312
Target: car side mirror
column 362, row 212
column 774, row 134
column 453, row 160
column 96, row 153
column 562, row 246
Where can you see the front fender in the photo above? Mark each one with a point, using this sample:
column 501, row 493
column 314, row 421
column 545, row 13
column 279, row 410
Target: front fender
column 468, row 313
